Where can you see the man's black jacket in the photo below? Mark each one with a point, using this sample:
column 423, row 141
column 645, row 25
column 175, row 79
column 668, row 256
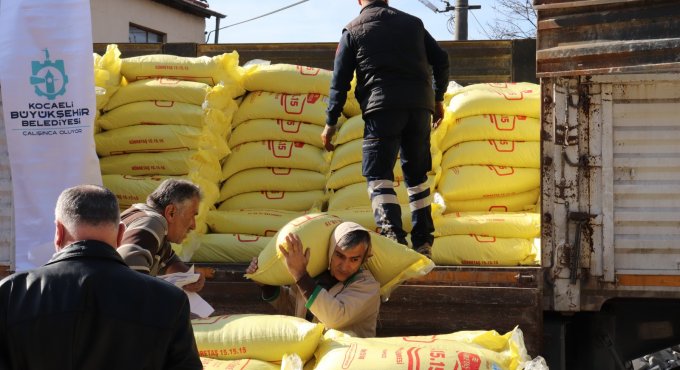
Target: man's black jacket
column 392, row 53
column 86, row 309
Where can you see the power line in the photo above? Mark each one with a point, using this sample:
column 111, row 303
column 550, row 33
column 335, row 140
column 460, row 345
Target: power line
column 480, row 25
column 451, row 24
column 258, row 17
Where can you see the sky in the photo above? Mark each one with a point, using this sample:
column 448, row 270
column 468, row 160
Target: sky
column 323, row 20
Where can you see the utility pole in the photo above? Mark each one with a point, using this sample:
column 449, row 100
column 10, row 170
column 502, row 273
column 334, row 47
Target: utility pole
column 460, row 15
column 461, row 19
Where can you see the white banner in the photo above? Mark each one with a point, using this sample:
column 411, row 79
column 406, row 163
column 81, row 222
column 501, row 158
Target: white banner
column 47, row 79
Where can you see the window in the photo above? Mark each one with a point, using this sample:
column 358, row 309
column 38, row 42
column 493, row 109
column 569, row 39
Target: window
column 140, row 34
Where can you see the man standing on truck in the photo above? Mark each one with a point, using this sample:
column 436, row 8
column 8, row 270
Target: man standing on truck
column 391, row 53
column 167, row 217
column 85, row 309
column 345, row 297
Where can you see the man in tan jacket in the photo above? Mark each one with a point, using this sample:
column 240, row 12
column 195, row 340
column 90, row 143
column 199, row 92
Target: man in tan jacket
column 345, row 297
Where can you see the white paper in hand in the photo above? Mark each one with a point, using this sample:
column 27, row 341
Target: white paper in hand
column 180, row 279
column 198, row 305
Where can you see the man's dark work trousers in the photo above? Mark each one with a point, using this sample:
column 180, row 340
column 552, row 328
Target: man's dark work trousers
column 405, row 132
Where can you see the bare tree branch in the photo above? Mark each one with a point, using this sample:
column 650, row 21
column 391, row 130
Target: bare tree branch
column 516, row 20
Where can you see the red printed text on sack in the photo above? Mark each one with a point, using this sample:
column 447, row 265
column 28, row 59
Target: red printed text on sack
column 293, row 104
column 308, row 71
column 504, row 146
column 289, row 126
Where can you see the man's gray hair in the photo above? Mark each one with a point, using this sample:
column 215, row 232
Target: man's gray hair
column 354, row 238
column 172, row 191
column 87, row 204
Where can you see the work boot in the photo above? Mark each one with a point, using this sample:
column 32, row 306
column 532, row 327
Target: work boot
column 393, row 236
column 425, row 250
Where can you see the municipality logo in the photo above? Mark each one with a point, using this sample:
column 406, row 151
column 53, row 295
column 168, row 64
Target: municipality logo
column 49, row 78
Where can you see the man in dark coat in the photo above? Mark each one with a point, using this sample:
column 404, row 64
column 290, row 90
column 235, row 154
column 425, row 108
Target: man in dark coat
column 395, row 60
column 86, row 309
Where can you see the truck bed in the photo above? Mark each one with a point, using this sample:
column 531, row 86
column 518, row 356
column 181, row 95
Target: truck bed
column 448, row 299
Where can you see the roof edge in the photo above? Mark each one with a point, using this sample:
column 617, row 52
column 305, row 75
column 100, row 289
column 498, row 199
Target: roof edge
column 195, row 7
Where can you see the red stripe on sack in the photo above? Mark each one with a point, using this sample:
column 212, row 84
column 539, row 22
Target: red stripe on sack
column 349, row 356
column 245, row 238
column 413, row 358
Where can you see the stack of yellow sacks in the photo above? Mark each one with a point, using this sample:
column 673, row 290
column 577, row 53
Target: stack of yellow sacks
column 165, row 121
column 277, row 169
column 261, row 342
column 267, row 342
column 277, row 159
column 490, row 169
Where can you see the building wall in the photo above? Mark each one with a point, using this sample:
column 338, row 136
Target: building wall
column 111, row 20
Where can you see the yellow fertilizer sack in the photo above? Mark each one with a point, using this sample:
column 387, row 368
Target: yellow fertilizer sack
column 364, row 217
column 229, row 248
column 181, row 163
column 135, row 189
column 152, row 113
column 219, row 97
column 345, row 176
column 101, row 96
column 284, row 200
column 451, row 90
column 287, row 78
column 262, row 222
column 280, row 154
column 521, row 98
column 107, row 74
column 271, row 179
column 208, row 70
column 209, row 189
column 346, row 154
column 243, row 364
column 352, row 152
column 132, row 189
column 218, row 122
column 500, row 224
column 510, row 203
column 314, row 230
column 344, row 352
column 494, row 152
column 276, row 129
column 159, row 89
column 259, row 337
column 158, row 138
column 477, row 250
column 391, row 263
column 352, row 107
column 110, row 62
column 351, row 174
column 96, row 128
column 492, row 127
column 448, row 121
column 490, row 339
column 309, row 108
column 356, row 195
column 472, row 182
column 351, row 129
